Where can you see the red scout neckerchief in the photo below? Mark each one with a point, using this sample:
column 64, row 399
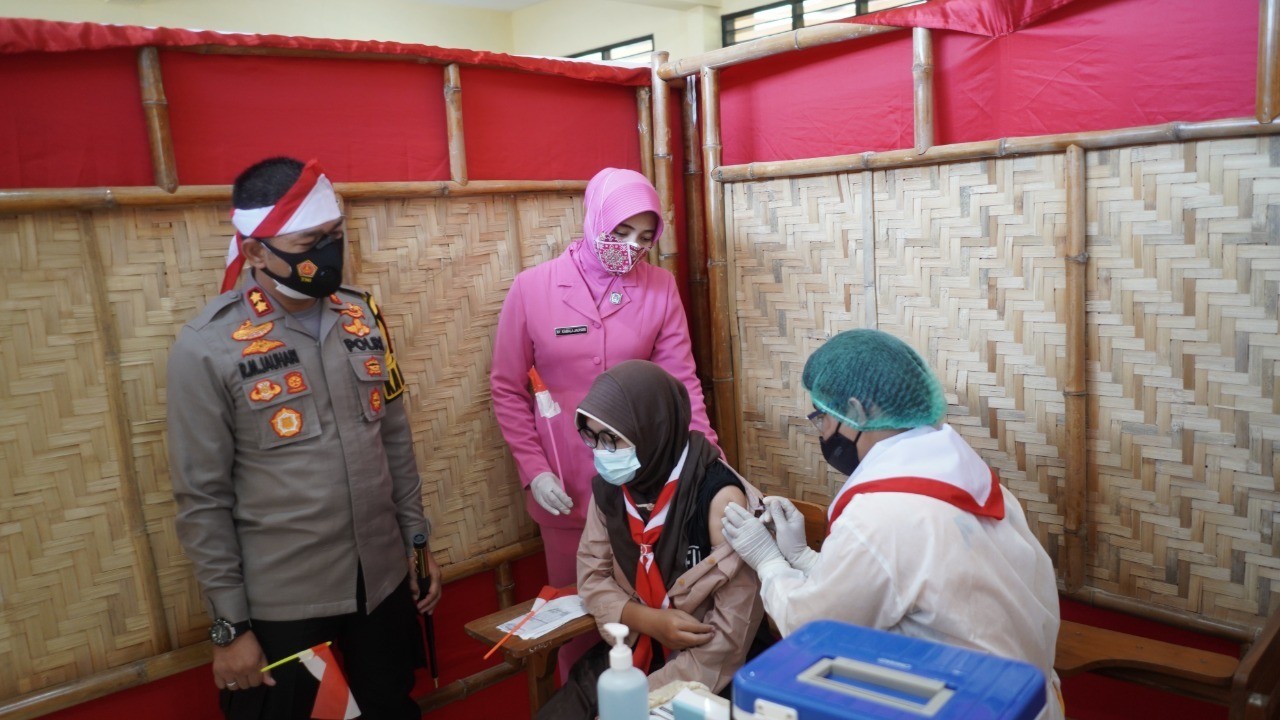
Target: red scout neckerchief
column 917, row 484
column 308, row 203
column 649, row 585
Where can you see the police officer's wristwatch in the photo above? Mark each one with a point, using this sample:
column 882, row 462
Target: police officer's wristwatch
column 223, row 632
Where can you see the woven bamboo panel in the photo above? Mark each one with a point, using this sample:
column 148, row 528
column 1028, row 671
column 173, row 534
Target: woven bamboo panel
column 1183, row 350
column 968, row 271
column 72, row 604
column 1182, row 327
column 71, row 582
column 798, row 277
column 441, row 269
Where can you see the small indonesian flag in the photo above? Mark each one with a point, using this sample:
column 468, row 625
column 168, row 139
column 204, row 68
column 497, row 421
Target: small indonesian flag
column 549, row 593
column 546, row 406
column 333, row 700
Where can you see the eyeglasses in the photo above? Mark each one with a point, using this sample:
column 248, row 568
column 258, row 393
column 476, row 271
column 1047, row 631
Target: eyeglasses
column 817, row 417
column 603, row 439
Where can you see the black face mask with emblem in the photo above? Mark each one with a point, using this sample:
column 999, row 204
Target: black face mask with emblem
column 316, row 272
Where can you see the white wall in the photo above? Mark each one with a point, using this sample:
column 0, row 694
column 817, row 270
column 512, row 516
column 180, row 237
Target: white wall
column 565, row 27
column 410, row 21
column 551, row 27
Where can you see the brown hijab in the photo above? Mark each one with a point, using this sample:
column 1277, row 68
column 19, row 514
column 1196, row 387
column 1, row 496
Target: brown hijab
column 650, row 408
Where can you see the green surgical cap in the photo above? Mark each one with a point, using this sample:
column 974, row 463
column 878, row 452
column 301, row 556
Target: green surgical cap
column 871, row 380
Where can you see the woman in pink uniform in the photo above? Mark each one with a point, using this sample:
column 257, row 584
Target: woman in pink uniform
column 596, row 305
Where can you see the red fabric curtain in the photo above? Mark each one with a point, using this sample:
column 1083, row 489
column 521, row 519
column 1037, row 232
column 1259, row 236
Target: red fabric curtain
column 1086, row 65
column 364, row 120
column 72, row 119
column 538, row 127
column 75, row 118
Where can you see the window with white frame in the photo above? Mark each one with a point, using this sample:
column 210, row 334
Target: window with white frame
column 780, row 17
column 636, row 50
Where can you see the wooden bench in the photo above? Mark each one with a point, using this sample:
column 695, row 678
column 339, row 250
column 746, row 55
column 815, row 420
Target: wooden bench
column 1248, row 687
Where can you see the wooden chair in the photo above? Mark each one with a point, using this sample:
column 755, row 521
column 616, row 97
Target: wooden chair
column 1249, row 687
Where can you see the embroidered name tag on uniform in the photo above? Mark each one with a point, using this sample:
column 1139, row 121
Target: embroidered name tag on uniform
column 573, row 330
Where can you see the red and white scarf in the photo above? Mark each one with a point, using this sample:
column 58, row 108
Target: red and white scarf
column 649, row 583
column 935, row 463
column 308, row 203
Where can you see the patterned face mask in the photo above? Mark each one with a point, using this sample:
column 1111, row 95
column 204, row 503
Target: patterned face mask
column 616, row 256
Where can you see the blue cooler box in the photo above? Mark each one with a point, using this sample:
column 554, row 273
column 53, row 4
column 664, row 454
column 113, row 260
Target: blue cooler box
column 828, row 670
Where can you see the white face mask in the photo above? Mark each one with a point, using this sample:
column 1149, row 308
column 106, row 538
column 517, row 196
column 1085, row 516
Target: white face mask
column 617, row 467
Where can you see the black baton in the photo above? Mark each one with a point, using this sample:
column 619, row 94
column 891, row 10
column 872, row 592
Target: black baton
column 424, row 588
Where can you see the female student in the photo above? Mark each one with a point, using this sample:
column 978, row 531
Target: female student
column 653, row 555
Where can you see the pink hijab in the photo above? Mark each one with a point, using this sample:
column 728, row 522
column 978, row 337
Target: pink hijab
column 614, row 195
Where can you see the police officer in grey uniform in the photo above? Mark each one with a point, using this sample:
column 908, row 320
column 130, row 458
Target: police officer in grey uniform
column 292, row 465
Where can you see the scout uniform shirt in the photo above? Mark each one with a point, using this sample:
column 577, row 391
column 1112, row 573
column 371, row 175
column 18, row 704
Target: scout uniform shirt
column 290, row 464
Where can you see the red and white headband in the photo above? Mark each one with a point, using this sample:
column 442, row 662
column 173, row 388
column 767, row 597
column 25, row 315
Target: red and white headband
column 308, row 203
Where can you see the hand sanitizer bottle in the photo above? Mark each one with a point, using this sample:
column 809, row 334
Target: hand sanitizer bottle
column 623, row 690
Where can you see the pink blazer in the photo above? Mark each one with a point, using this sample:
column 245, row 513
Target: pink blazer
column 550, row 321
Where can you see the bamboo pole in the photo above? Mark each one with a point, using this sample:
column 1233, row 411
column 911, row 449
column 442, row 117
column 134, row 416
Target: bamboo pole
column 1268, row 101
column 1075, row 528
column 156, row 109
column 922, row 79
column 1007, row 147
column 146, row 577
column 468, row 686
column 663, row 172
column 65, row 695
column 723, row 384
column 774, row 45
column 644, row 127
column 140, row 672
column 696, row 231
column 505, row 585
column 43, row 199
column 453, row 123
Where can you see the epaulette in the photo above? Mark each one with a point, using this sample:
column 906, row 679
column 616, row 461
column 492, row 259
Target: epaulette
column 216, row 307
column 395, row 378
column 352, row 290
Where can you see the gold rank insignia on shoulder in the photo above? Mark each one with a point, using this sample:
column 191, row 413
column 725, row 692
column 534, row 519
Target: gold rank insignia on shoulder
column 259, row 347
column 287, row 422
column 373, row 367
column 375, row 400
column 333, row 298
column 295, row 382
column 258, row 301
column 357, row 328
column 248, row 331
column 264, row 390
column 353, row 310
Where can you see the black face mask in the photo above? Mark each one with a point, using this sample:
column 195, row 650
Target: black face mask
column 316, row 272
column 841, row 452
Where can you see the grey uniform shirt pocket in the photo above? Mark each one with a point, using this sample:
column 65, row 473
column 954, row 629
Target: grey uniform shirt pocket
column 371, row 382
column 281, row 408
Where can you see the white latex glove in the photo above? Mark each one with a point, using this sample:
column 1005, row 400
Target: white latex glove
column 788, row 526
column 550, row 494
column 752, row 541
